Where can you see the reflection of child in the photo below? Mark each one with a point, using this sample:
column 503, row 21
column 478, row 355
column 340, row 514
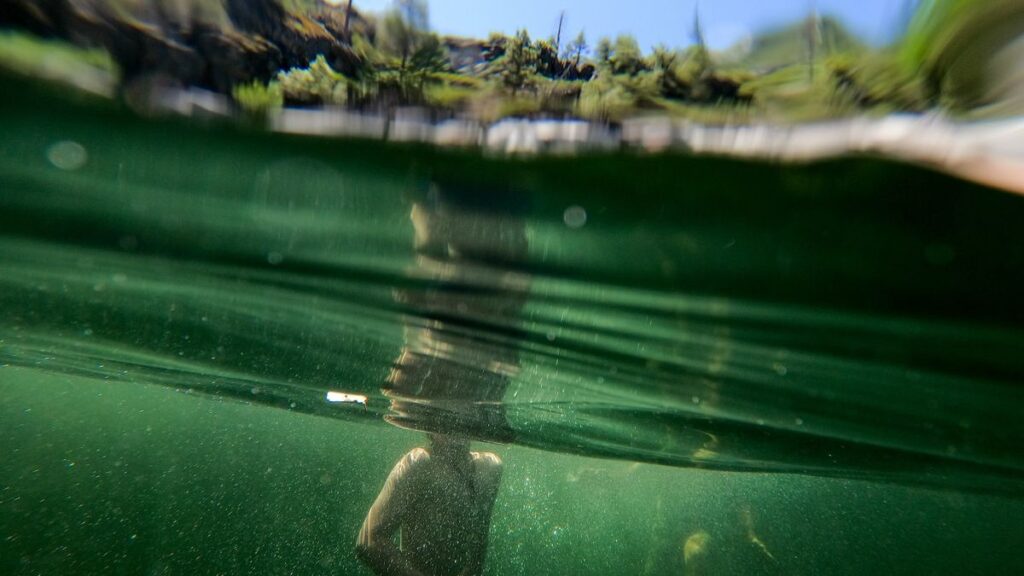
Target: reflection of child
column 438, row 501
column 433, row 515
column 463, row 310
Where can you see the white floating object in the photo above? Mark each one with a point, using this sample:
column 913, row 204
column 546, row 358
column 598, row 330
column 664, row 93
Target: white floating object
column 67, row 155
column 333, row 396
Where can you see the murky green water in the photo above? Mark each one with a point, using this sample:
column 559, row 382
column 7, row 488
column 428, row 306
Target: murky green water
column 818, row 367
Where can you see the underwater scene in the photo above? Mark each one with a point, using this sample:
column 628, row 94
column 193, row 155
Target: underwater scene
column 431, row 319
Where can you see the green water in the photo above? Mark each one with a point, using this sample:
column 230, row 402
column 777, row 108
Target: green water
column 827, row 356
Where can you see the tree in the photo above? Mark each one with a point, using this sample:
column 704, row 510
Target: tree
column 548, row 62
column 664, row 61
column 626, row 57
column 702, row 54
column 575, row 49
column 604, row 51
column 403, row 29
column 698, row 30
column 519, row 62
column 558, row 35
column 430, row 55
column 348, row 18
column 813, row 36
column 694, row 73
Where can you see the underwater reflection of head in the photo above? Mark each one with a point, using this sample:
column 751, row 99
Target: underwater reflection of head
column 468, row 224
column 451, row 375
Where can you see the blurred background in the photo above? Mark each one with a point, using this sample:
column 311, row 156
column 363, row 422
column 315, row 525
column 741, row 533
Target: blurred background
column 731, row 61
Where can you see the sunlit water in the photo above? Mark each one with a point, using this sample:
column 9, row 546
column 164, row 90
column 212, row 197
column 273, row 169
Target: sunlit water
column 817, row 367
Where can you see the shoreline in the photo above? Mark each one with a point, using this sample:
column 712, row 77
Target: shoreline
column 986, row 151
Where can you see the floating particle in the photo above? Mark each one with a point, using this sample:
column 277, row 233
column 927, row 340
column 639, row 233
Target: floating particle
column 574, row 217
column 67, row 155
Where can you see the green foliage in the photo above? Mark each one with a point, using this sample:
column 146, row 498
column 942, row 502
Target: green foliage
column 402, row 30
column 401, row 86
column 789, row 95
column 406, row 83
column 257, row 99
column 933, row 25
column 663, row 58
column 405, row 56
column 614, row 97
column 451, row 96
column 693, row 65
column 642, row 86
column 717, row 113
column 518, row 106
column 603, row 53
column 630, row 82
column 455, row 91
column 394, row 37
column 626, row 57
column 548, row 63
column 367, row 51
column 813, row 69
column 518, row 65
column 92, row 69
column 430, row 55
column 317, row 84
column 665, row 63
column 576, row 49
column 878, row 81
column 604, row 100
column 789, row 45
column 953, row 45
column 558, row 97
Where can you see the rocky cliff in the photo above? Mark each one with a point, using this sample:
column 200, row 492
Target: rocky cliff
column 205, row 44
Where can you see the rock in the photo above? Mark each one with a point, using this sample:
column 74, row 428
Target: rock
column 185, row 47
column 299, row 38
column 464, row 54
column 234, row 58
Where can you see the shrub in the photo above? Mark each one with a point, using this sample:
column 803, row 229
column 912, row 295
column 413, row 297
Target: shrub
column 257, row 99
column 448, row 95
column 602, row 99
column 878, row 80
column 91, row 69
column 318, row 84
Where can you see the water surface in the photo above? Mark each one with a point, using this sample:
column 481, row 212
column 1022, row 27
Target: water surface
column 827, row 355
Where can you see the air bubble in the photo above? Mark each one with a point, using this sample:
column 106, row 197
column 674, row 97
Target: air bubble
column 574, row 217
column 67, row 155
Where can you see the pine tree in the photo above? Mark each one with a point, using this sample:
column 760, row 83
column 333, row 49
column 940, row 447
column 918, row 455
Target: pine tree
column 576, row 49
column 519, row 62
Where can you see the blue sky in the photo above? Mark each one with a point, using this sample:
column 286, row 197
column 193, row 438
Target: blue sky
column 651, row 21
